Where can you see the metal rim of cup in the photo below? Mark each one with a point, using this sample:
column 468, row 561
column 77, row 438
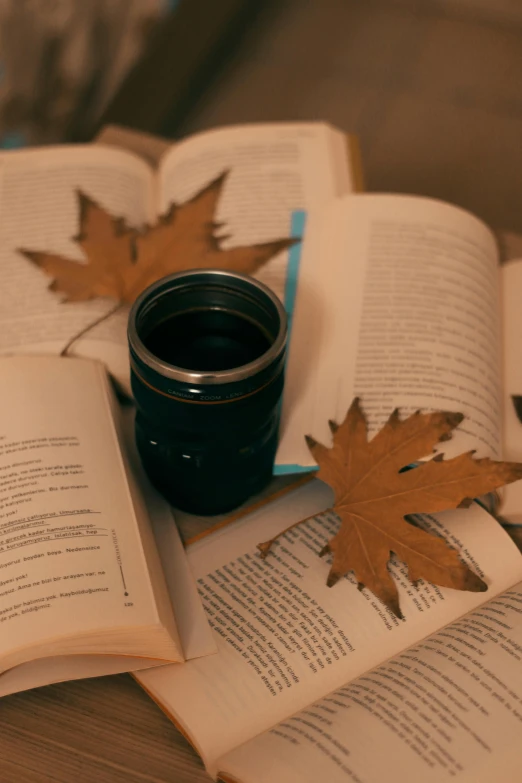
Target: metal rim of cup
column 190, row 277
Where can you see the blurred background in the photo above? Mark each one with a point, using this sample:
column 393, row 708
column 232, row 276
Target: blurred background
column 433, row 88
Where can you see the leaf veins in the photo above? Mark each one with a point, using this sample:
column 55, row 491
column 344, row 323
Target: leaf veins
column 121, row 262
column 373, row 498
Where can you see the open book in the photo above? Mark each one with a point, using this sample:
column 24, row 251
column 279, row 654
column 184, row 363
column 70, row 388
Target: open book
column 274, row 171
column 82, row 589
column 414, row 310
column 314, row 683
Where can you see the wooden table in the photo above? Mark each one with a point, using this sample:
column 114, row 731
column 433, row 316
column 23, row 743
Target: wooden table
column 105, row 730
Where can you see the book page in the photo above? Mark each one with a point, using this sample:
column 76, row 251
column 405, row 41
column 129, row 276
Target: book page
column 159, row 525
column 447, row 708
column 195, row 635
column 274, row 170
column 63, row 668
column 73, row 567
column 409, row 318
column 511, row 282
column 145, row 145
column 284, row 638
column 39, row 209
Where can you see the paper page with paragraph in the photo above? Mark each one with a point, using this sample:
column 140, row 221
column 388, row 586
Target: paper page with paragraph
column 73, row 569
column 40, row 211
column 414, row 312
column 195, row 635
column 284, row 638
column 448, row 708
column 274, row 170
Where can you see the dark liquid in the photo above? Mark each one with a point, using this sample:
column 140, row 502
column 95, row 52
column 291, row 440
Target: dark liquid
column 207, row 340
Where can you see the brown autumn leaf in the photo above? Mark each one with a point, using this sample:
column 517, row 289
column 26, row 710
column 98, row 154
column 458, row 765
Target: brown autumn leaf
column 372, row 499
column 121, row 262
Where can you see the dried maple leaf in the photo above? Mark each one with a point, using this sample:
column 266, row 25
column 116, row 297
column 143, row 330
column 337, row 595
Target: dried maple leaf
column 373, row 497
column 121, row 262
column 107, row 245
column 185, row 238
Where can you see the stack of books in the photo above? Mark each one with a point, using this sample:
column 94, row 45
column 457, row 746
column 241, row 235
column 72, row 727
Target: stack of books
column 272, row 675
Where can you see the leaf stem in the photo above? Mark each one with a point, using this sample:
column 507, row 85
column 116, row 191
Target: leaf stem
column 101, row 319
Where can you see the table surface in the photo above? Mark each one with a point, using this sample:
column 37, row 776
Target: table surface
column 104, row 730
